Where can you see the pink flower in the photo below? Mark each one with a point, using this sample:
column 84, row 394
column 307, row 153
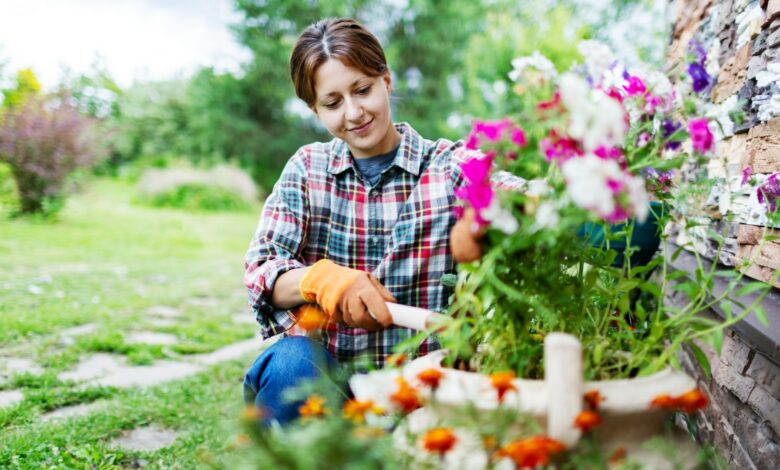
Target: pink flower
column 554, row 102
column 492, row 130
column 651, row 103
column 556, row 147
column 477, row 190
column 643, row 139
column 472, row 141
column 635, row 86
column 611, row 153
column 701, row 137
column 518, row 137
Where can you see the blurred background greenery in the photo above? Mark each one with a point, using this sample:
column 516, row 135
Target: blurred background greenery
column 449, row 60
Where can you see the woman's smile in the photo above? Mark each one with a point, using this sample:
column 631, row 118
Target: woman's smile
column 362, row 130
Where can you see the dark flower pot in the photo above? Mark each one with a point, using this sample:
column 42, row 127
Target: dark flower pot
column 646, row 237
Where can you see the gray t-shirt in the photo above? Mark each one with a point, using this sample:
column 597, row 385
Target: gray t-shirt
column 372, row 167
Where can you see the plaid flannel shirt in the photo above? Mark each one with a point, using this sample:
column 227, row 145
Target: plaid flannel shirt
column 398, row 230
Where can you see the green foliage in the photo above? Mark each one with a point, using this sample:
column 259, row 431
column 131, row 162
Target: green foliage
column 26, row 86
column 205, row 197
column 9, row 197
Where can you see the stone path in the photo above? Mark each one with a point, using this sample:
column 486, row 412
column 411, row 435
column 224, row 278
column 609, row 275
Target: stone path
column 104, row 369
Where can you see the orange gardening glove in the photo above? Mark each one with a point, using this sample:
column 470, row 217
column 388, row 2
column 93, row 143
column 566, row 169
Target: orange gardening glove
column 346, row 295
column 464, row 238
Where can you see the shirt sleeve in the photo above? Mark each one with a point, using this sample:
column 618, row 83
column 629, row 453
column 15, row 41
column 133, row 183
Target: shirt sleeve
column 277, row 245
column 501, row 180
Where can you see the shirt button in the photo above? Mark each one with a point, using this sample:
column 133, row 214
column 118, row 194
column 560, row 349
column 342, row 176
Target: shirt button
column 375, row 239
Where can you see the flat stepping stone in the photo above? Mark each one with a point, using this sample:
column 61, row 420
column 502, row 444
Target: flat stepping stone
column 94, row 366
column 17, row 365
column 151, row 337
column 149, row 438
column 10, row 398
column 162, row 322
column 68, row 335
column 144, row 376
column 73, row 411
column 164, row 311
column 79, row 330
column 230, row 352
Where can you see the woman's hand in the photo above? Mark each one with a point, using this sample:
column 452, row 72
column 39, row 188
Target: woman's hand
column 464, row 238
column 348, row 296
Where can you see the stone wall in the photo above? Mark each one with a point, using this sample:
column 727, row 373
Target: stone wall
column 742, row 41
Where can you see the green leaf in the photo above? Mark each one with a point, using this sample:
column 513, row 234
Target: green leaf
column 677, row 253
column 728, row 273
column 761, row 315
column 751, row 287
column 717, row 340
column 651, row 288
column 702, row 359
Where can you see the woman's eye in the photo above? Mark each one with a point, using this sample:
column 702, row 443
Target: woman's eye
column 332, row 105
column 363, row 91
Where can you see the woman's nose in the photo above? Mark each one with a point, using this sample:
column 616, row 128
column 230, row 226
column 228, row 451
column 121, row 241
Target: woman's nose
column 354, row 111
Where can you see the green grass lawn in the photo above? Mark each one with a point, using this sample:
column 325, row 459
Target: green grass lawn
column 106, row 261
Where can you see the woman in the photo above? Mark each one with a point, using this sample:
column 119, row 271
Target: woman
column 351, row 223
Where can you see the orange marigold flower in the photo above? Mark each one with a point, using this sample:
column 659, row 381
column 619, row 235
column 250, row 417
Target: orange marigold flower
column 439, row 440
column 531, row 452
column 310, row 317
column 688, row 402
column 251, row 413
column 664, row 401
column 593, row 399
column 431, row 377
column 618, row 456
column 692, row 400
column 502, row 382
column 587, row 420
column 355, row 410
column 396, row 360
column 489, row 442
column 406, row 396
column 314, row 407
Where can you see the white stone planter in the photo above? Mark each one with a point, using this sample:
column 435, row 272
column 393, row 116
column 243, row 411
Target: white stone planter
column 628, row 420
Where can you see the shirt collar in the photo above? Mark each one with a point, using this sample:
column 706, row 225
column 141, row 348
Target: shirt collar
column 408, row 156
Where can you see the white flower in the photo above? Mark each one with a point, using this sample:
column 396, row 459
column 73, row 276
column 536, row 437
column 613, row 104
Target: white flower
column 594, row 117
column 586, row 183
column 594, row 183
column 500, row 218
column 547, row 215
column 599, row 58
column 535, row 61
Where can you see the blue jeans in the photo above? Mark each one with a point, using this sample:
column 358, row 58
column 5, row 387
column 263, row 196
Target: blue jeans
column 282, row 366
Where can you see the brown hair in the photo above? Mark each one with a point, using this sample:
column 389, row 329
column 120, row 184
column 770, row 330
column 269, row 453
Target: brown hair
column 340, row 38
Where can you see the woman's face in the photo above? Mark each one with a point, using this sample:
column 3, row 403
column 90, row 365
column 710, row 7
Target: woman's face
column 355, row 108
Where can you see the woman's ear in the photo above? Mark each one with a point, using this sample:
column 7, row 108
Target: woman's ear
column 388, row 81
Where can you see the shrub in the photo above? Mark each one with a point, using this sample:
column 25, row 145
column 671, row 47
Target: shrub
column 221, row 188
column 44, row 142
column 9, row 199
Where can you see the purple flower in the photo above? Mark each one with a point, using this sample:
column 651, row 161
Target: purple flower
column 697, row 48
column 769, row 192
column 699, row 76
column 658, row 182
column 701, row 137
column 669, row 128
column 745, row 175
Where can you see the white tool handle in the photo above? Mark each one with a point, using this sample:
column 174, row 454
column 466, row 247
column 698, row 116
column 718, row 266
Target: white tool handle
column 415, row 318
